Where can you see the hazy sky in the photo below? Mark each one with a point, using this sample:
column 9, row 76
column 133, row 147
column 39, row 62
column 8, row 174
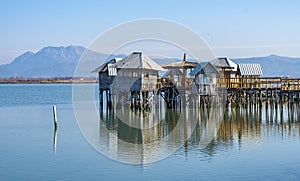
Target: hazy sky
column 231, row 28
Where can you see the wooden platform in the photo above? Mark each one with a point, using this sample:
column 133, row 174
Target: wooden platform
column 262, row 83
column 243, row 91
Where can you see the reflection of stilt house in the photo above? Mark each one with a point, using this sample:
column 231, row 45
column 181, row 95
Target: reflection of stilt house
column 175, row 69
column 226, row 66
column 136, row 75
column 206, row 76
column 138, row 142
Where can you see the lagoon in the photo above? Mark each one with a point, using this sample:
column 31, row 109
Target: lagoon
column 248, row 145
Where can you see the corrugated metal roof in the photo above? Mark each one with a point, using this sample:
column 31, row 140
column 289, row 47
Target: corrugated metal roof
column 250, row 69
column 138, row 60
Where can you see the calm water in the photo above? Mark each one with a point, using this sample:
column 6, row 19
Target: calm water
column 248, row 144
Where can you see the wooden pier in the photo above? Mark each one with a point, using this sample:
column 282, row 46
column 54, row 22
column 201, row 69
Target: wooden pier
column 243, row 91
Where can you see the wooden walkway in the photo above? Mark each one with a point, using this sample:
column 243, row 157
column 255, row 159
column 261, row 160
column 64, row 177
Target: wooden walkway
column 261, row 83
column 243, row 91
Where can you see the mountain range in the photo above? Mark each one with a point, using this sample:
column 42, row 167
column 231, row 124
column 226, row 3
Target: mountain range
column 48, row 62
column 63, row 61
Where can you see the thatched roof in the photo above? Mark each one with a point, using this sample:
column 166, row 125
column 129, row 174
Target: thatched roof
column 182, row 64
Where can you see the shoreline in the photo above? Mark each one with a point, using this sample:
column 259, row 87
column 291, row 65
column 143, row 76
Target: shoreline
column 49, row 81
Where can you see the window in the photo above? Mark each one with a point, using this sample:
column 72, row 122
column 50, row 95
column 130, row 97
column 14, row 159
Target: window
column 135, row 74
column 111, row 71
column 146, row 75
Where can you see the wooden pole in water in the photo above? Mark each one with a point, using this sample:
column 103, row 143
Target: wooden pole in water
column 54, row 117
column 55, row 128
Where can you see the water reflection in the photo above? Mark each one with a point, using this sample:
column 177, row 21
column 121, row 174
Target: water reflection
column 203, row 130
column 54, row 139
column 145, row 136
column 253, row 126
column 255, row 123
column 139, row 136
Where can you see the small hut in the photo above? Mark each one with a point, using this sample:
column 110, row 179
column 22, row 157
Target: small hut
column 106, row 73
column 106, row 77
column 137, row 72
column 136, row 76
column 205, row 78
column 226, row 66
column 176, row 67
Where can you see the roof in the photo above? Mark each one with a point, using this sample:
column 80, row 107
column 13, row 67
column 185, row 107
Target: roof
column 203, row 65
column 137, row 60
column 224, row 62
column 180, row 64
column 103, row 67
column 175, row 72
column 250, row 69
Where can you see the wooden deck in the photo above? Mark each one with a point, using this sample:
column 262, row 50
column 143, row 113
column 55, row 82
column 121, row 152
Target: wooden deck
column 262, row 83
column 243, row 91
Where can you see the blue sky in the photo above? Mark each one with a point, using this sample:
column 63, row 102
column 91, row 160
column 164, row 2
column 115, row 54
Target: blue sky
column 231, row 28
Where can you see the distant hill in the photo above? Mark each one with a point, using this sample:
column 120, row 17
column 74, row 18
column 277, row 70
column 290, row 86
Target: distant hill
column 51, row 62
column 62, row 62
column 274, row 65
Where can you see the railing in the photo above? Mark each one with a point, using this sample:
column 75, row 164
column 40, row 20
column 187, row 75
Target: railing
column 171, row 82
column 281, row 83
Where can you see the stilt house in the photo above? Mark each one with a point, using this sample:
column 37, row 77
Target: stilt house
column 136, row 72
column 205, row 78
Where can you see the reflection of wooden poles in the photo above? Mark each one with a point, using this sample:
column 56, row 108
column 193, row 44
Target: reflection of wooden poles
column 54, row 140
